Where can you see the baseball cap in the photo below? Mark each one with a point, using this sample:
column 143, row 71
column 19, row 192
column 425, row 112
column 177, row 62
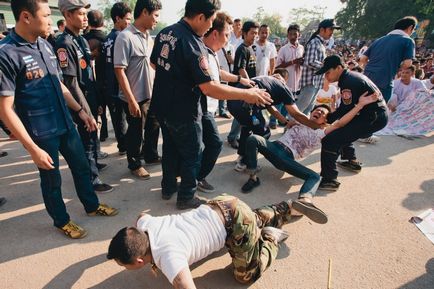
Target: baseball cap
column 66, row 5
column 330, row 62
column 328, row 23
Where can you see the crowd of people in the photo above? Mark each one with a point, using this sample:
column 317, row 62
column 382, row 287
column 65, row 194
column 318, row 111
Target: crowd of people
column 55, row 90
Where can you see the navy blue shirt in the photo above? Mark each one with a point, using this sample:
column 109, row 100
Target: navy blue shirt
column 108, row 48
column 30, row 73
column 353, row 85
column 385, row 56
column 181, row 61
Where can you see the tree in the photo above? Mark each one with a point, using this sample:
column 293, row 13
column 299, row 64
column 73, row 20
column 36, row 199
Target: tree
column 272, row 20
column 305, row 16
column 370, row 19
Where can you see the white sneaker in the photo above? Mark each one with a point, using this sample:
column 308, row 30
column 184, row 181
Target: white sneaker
column 240, row 167
column 371, row 140
column 277, row 235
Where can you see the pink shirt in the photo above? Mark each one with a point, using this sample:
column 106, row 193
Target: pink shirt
column 290, row 52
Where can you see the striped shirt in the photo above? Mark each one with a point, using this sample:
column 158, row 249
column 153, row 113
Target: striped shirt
column 313, row 60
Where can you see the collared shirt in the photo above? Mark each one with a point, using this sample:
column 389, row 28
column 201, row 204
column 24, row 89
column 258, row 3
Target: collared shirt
column 181, row 61
column 313, row 60
column 30, row 73
column 287, row 53
column 110, row 82
column 211, row 104
column 264, row 53
column 132, row 52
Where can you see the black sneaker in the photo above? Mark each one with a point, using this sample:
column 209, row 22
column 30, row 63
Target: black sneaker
column 353, row 166
column 101, row 167
column 205, row 187
column 190, row 204
column 329, row 185
column 166, row 196
column 154, row 161
column 250, row 185
column 102, row 188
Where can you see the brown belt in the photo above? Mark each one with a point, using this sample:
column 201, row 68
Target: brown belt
column 225, row 210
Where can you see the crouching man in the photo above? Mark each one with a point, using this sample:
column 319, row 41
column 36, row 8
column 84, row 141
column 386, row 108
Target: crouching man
column 172, row 243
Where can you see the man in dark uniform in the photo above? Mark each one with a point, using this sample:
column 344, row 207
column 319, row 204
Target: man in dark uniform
column 372, row 118
column 73, row 54
column 182, row 77
column 33, row 106
column 121, row 16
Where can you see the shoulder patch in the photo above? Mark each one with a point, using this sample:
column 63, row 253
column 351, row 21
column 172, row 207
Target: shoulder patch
column 203, row 64
column 347, row 96
column 62, row 55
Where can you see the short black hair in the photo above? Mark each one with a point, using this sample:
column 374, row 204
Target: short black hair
column 149, row 5
column 322, row 105
column 95, row 18
column 119, row 9
column 405, row 22
column 219, row 23
column 19, row 6
column 205, row 7
column 60, row 22
column 237, row 20
column 127, row 244
column 293, row 27
column 263, row 26
column 248, row 25
column 411, row 67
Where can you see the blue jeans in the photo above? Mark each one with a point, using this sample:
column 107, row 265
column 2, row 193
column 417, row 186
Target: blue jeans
column 70, row 146
column 386, row 92
column 282, row 159
column 235, row 132
column 306, row 98
column 212, row 145
column 181, row 156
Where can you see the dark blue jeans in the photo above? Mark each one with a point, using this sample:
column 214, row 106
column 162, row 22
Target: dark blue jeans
column 89, row 142
column 70, row 146
column 340, row 141
column 181, row 156
column 282, row 159
column 119, row 121
column 212, row 145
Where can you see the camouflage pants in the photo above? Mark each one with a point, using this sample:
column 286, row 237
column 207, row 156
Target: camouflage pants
column 252, row 253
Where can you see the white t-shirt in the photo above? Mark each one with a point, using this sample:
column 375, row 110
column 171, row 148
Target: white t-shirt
column 235, row 42
column 263, row 55
column 214, row 65
column 290, row 52
column 178, row 241
column 302, row 140
column 325, row 97
column 401, row 90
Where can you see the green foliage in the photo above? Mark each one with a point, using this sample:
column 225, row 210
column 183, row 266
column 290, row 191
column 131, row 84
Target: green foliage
column 305, row 16
column 272, row 20
column 370, row 19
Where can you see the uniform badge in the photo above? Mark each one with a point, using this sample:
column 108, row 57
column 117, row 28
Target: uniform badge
column 165, row 51
column 83, row 63
column 63, row 57
column 203, row 64
column 347, row 96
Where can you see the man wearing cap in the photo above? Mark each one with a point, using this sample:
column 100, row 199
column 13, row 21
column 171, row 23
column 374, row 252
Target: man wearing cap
column 314, row 55
column 371, row 118
column 33, row 105
column 73, row 55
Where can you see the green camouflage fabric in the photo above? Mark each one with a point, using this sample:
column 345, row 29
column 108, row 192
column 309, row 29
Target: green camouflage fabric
column 251, row 252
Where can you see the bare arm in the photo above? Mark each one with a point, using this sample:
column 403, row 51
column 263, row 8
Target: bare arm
column 272, row 65
column 13, row 122
column 184, row 280
column 89, row 121
column 363, row 61
column 252, row 95
column 133, row 106
column 243, row 73
column 71, row 84
column 229, row 77
column 276, row 113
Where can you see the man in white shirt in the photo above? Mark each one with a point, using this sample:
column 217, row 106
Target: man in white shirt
column 266, row 52
column 172, row 243
column 236, row 37
column 404, row 86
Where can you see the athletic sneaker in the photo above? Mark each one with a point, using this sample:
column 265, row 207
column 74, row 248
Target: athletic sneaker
column 104, row 210
column 205, row 187
column 73, row 231
column 310, row 210
column 250, row 185
column 189, row 204
column 353, row 166
column 329, row 185
column 370, row 140
column 102, row 155
column 275, row 234
column 102, row 188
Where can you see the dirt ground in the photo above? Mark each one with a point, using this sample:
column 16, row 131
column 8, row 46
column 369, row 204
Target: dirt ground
column 368, row 239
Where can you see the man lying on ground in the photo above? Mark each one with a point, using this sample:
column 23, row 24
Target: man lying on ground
column 172, row 243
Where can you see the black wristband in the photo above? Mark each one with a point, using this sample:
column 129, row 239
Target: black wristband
column 239, row 78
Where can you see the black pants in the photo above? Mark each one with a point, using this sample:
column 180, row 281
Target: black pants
column 119, row 121
column 340, row 141
column 150, row 142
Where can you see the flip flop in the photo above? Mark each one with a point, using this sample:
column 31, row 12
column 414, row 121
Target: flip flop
column 310, row 211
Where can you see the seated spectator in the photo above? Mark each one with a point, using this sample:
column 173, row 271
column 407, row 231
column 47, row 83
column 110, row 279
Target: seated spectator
column 404, row 86
column 327, row 95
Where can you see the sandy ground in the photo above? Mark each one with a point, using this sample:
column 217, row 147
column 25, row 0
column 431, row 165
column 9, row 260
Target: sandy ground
column 368, row 238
